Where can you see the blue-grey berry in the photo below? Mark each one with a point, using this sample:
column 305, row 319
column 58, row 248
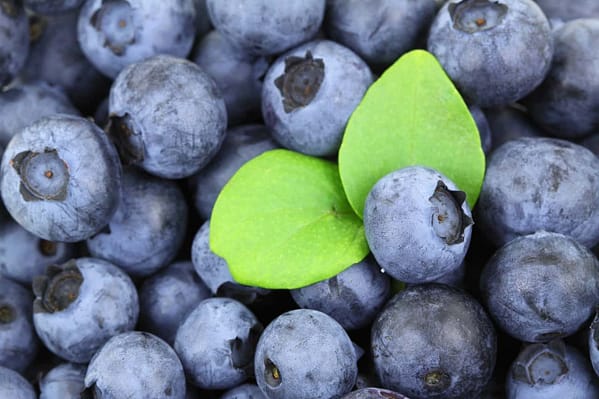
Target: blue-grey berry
column 14, row 386
column 82, row 304
column 216, row 343
column 14, row 39
column 244, row 391
column 373, row 393
column 417, row 224
column 65, row 381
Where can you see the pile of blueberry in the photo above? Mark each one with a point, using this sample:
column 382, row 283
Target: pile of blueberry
column 122, row 120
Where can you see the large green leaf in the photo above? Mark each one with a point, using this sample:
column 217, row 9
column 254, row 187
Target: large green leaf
column 283, row 221
column 412, row 115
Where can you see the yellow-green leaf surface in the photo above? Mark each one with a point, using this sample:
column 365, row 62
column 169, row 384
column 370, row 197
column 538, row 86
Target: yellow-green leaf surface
column 283, row 221
column 412, row 115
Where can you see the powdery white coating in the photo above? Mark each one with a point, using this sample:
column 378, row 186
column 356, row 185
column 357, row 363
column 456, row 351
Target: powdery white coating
column 497, row 65
column 177, row 115
column 14, row 386
column 353, row 297
column 433, row 328
column 18, row 342
column 312, row 354
column 14, row 40
column 241, row 144
column 167, row 297
column 541, row 286
column 244, row 391
column 566, row 103
column 93, row 190
column 317, row 128
column 65, row 381
column 398, row 222
column 24, row 104
column 534, row 184
column 106, row 305
column 379, row 31
column 147, row 228
column 23, row 255
column 578, row 382
column 136, row 365
column 237, row 74
column 216, row 343
column 158, row 27
column 214, row 270
column 263, row 27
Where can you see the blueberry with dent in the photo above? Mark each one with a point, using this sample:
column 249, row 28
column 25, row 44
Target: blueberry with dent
column 117, row 33
column 80, row 305
column 167, row 116
column 18, row 342
column 305, row 353
column 542, row 286
column 61, row 178
column 65, row 381
column 135, row 365
column 309, row 94
column 495, row 52
column 552, row 370
column 417, row 224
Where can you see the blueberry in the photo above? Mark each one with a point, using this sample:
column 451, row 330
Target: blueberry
column 566, row 103
column 14, row 386
column 216, row 343
column 309, row 94
column 214, row 271
column 148, row 227
column 552, row 370
column 81, row 304
column 495, row 52
column 541, row 286
column 237, row 74
column 244, row 391
column 24, row 104
column 593, row 342
column 591, row 142
column 304, row 353
column 509, row 123
column 51, row 7
column 65, row 381
column 23, row 255
column 373, row 393
column 263, row 27
column 379, row 31
column 56, row 57
column 433, row 341
column 167, row 116
column 61, row 178
column 116, row 33
column 135, row 365
column 568, row 10
column 417, row 224
column 14, row 39
column 484, row 130
column 18, row 342
column 241, row 144
column 167, row 297
column 353, row 297
column 534, row 184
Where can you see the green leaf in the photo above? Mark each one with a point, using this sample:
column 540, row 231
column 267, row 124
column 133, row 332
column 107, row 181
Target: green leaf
column 412, row 115
column 283, row 221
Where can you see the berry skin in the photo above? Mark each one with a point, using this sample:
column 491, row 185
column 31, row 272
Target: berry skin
column 14, row 386
column 494, row 52
column 417, row 224
column 65, row 381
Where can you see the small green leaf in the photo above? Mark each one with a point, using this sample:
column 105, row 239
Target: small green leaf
column 412, row 115
column 283, row 221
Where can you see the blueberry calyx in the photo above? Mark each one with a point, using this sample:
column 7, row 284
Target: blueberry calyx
column 272, row 375
column 437, row 381
column 541, row 364
column 44, row 176
column 47, row 248
column 127, row 141
column 449, row 220
column 301, row 81
column 472, row 16
column 9, row 8
column 114, row 19
column 57, row 289
column 7, row 314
